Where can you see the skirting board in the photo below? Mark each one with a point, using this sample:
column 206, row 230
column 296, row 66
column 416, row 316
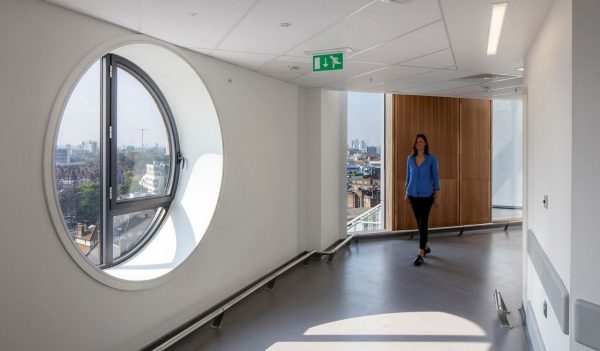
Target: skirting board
column 557, row 292
column 534, row 331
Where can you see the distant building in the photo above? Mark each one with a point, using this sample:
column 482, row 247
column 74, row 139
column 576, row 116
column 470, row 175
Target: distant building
column 371, row 201
column 94, row 147
column 63, row 155
column 363, row 192
column 154, row 179
column 353, row 169
column 352, row 200
column 85, row 238
column 373, row 150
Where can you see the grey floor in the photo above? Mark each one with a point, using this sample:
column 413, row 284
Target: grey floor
column 501, row 214
column 372, row 298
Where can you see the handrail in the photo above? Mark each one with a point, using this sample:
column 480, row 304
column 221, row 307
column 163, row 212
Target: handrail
column 217, row 312
column 367, row 213
column 503, row 207
column 459, row 228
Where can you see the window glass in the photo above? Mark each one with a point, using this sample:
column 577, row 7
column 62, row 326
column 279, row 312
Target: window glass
column 507, row 158
column 143, row 161
column 114, row 145
column 364, row 162
column 130, row 228
column 77, row 165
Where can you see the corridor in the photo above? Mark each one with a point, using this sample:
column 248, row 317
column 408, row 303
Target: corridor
column 372, row 298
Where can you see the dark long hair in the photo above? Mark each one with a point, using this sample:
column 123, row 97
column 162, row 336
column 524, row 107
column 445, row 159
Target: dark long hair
column 426, row 144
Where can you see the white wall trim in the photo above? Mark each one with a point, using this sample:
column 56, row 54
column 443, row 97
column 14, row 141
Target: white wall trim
column 52, row 129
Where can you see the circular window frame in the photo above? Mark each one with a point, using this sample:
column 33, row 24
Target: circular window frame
column 52, row 130
column 113, row 203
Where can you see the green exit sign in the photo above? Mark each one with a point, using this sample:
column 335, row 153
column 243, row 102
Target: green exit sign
column 329, row 62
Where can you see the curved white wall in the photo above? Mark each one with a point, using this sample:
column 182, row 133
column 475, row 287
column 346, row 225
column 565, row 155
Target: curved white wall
column 47, row 301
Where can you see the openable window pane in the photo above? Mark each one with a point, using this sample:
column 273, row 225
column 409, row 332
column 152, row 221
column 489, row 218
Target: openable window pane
column 143, row 161
column 77, row 165
column 130, row 228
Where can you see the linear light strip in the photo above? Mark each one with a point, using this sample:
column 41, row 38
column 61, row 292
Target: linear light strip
column 498, row 12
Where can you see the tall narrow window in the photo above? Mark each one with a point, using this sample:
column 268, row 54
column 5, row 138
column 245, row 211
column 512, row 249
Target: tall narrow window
column 507, row 168
column 364, row 162
column 115, row 161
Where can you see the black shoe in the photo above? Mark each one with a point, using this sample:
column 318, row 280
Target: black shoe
column 418, row 261
column 427, row 250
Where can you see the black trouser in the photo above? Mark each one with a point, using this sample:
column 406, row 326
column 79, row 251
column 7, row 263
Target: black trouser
column 421, row 207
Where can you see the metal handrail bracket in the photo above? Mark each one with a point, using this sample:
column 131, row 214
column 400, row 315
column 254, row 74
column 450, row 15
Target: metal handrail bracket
column 331, row 253
column 501, row 310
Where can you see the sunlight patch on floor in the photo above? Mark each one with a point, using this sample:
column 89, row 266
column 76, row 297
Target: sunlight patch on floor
column 403, row 323
column 380, row 346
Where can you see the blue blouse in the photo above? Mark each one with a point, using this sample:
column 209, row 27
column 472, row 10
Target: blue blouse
column 422, row 180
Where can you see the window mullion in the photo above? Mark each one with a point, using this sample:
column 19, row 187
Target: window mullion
column 111, row 164
column 104, row 174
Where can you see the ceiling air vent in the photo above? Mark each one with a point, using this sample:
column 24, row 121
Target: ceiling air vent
column 397, row 1
column 484, row 78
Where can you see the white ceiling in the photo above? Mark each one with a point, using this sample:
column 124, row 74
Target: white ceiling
column 423, row 47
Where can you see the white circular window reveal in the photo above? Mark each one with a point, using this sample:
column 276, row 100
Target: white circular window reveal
column 199, row 183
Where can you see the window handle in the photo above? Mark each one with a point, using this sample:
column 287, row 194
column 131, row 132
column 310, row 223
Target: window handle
column 181, row 160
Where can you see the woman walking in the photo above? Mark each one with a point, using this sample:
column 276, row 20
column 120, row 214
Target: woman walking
column 422, row 185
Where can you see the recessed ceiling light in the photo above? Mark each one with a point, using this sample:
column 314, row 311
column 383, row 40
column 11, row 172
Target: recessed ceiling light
column 498, row 12
column 285, row 24
column 520, row 69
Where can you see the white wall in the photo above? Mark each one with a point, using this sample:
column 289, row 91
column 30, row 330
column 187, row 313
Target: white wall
column 324, row 167
column 334, row 107
column 311, row 169
column 548, row 70
column 46, row 301
column 585, row 241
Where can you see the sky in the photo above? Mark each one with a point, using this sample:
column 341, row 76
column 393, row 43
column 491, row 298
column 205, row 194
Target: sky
column 365, row 117
column 136, row 109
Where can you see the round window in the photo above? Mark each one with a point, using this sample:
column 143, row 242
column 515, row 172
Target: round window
column 116, row 161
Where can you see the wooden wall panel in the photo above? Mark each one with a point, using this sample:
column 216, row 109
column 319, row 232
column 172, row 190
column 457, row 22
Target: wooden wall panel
column 443, row 216
column 437, row 118
column 475, row 161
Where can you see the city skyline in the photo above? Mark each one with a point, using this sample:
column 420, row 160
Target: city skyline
column 365, row 117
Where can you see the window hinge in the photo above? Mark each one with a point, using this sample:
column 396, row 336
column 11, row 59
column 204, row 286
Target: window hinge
column 110, row 192
column 110, row 132
column 110, row 71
